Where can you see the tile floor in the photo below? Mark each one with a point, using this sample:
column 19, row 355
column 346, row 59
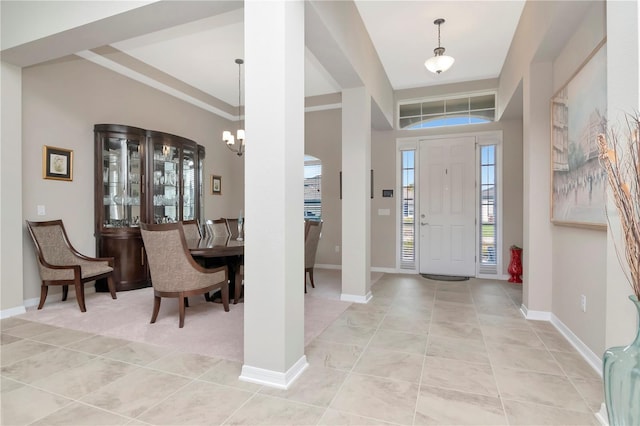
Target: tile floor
column 422, row 352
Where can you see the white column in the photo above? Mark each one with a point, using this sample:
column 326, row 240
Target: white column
column 536, row 149
column 274, row 185
column 11, row 223
column 356, row 195
column 623, row 97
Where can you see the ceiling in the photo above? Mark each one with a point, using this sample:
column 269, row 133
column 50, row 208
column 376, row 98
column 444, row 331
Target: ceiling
column 476, row 33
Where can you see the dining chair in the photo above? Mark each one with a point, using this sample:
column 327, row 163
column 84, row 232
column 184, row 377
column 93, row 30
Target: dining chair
column 217, row 228
column 174, row 272
column 191, row 229
column 312, row 230
column 59, row 263
column 232, row 226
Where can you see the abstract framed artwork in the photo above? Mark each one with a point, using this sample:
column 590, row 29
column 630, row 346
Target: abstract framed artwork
column 57, row 163
column 578, row 115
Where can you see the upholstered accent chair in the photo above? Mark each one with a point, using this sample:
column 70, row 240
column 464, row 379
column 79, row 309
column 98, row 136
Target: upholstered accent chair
column 312, row 230
column 61, row 264
column 174, row 272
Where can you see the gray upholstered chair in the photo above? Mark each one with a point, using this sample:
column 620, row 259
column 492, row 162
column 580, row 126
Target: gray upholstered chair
column 191, row 229
column 60, row 264
column 312, row 230
column 174, row 272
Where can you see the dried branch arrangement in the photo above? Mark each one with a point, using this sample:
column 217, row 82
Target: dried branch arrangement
column 620, row 156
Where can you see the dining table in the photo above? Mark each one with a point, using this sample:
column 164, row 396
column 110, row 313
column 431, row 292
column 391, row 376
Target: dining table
column 215, row 251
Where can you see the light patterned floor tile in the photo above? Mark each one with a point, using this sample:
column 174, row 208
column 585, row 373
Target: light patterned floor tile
column 459, row 375
column 447, row 407
column 137, row 353
column 29, row 329
column 77, row 414
column 339, row 418
column 184, row 364
column 267, row 410
column 135, row 393
column 539, row 388
column 389, row 400
column 198, row 403
column 21, row 350
column 399, row 341
column 98, row 345
column 460, row 349
column 45, row 364
column 522, row 413
column 524, row 358
column 390, row 364
column 332, row 355
column 225, row 372
column 23, row 404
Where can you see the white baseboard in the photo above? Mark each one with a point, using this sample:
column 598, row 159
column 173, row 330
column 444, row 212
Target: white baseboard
column 592, row 359
column 326, row 266
column 11, row 312
column 354, row 298
column 274, row 379
column 535, row 315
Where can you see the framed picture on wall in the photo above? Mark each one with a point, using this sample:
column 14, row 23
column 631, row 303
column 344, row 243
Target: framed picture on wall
column 216, row 185
column 57, row 163
column 578, row 115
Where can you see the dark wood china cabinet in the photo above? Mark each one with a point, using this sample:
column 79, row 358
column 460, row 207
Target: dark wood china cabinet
column 141, row 176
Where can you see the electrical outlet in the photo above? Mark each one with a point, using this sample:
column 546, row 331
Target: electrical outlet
column 583, row 302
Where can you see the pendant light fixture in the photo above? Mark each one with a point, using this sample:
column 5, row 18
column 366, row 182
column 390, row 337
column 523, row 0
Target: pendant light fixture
column 440, row 62
column 236, row 143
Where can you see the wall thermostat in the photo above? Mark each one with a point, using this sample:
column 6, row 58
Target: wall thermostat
column 386, row 193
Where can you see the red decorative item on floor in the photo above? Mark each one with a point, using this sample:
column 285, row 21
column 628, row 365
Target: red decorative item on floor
column 515, row 265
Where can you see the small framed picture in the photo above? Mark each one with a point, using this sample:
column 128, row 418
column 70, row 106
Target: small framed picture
column 216, row 185
column 57, row 163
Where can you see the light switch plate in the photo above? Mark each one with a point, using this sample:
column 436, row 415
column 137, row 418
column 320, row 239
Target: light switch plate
column 41, row 210
column 384, row 212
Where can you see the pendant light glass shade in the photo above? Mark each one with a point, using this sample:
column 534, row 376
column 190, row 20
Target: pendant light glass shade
column 440, row 62
column 227, row 136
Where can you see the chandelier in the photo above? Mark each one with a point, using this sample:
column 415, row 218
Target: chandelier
column 236, row 143
column 440, row 62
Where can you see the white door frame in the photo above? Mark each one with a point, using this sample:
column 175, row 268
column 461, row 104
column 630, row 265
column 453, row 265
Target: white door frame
column 489, row 137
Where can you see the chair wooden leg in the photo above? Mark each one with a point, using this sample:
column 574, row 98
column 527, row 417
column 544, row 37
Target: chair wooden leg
column 311, row 278
column 305, row 281
column 44, row 289
column 156, row 308
column 186, row 302
column 207, row 297
column 181, row 309
column 65, row 292
column 79, row 287
column 112, row 287
column 225, row 297
column 237, row 286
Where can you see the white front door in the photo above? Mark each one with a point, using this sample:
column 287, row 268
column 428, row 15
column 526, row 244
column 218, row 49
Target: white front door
column 447, row 206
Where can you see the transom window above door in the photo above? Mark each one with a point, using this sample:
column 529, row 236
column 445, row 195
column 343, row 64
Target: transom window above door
column 451, row 111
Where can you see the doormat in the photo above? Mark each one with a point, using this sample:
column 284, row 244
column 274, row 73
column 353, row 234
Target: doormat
column 444, row 277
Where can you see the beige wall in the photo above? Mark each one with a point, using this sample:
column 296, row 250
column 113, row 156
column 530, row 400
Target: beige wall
column 323, row 139
column 579, row 255
column 62, row 101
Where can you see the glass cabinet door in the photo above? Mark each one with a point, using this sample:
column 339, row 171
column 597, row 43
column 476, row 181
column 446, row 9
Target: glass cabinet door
column 121, row 169
column 166, row 181
column 189, row 193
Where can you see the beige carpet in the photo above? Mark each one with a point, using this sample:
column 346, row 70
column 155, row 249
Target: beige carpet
column 208, row 330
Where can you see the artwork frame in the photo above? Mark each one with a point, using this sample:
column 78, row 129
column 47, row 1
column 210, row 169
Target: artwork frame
column 216, row 185
column 57, row 163
column 578, row 114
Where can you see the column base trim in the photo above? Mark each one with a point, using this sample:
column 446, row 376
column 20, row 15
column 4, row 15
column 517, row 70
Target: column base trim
column 274, row 379
column 354, row 298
